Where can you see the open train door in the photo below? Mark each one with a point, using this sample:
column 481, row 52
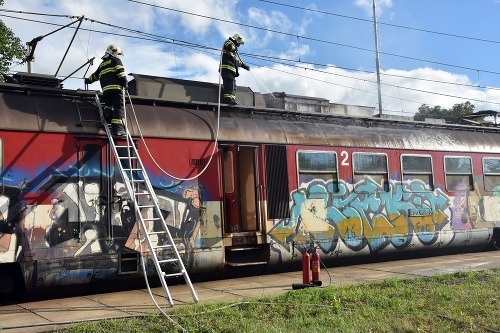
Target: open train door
column 245, row 241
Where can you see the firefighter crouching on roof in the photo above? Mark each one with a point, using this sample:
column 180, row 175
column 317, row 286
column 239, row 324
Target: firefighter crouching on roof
column 229, row 68
column 111, row 75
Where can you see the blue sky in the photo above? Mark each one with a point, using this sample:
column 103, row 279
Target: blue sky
column 434, row 52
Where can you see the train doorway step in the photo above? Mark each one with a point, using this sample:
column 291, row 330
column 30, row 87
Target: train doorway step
column 247, row 255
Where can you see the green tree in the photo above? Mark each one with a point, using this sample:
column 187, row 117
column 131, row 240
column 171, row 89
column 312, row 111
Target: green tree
column 425, row 111
column 11, row 48
column 453, row 115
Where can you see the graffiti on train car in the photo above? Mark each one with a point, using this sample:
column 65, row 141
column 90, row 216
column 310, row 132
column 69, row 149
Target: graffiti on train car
column 366, row 215
column 78, row 222
column 10, row 231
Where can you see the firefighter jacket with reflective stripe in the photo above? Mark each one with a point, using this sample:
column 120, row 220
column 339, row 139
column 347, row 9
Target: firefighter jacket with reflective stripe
column 230, row 62
column 111, row 75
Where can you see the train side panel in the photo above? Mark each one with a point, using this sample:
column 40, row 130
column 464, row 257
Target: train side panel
column 354, row 201
column 275, row 184
column 64, row 208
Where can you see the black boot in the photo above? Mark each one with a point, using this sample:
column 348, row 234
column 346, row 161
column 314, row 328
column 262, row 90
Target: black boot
column 118, row 130
column 229, row 101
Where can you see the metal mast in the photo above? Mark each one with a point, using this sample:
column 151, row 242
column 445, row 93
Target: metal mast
column 377, row 60
column 31, row 45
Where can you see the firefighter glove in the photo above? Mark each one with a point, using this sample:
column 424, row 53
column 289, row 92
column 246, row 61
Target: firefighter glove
column 245, row 66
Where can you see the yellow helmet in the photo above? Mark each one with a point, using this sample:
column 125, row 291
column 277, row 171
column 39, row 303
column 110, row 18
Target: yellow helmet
column 114, row 50
column 238, row 39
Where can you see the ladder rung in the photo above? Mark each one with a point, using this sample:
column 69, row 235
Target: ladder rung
column 167, row 260
column 133, row 169
column 127, row 157
column 138, row 180
column 153, row 219
column 147, row 206
column 120, row 146
column 142, row 193
column 166, row 246
column 172, row 275
column 157, row 232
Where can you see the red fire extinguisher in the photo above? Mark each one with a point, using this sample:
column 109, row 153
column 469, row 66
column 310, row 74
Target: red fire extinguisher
column 306, row 267
column 316, row 278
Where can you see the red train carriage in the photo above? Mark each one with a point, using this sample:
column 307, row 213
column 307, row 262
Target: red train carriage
column 256, row 190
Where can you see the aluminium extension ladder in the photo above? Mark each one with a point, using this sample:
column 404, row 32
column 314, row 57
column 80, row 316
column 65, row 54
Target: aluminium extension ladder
column 140, row 190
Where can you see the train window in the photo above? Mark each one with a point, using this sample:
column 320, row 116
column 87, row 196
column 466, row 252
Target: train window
column 491, row 170
column 314, row 165
column 228, row 172
column 417, row 167
column 370, row 166
column 458, row 171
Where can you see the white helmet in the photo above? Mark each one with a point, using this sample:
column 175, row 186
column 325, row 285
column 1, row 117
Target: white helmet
column 114, row 50
column 238, row 39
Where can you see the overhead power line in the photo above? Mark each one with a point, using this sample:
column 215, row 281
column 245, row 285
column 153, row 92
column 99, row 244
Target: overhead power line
column 31, row 13
column 314, row 39
column 204, row 48
column 277, row 32
column 382, row 23
column 158, row 38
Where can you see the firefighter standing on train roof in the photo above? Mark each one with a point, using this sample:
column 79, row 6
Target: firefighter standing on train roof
column 229, row 68
column 111, row 75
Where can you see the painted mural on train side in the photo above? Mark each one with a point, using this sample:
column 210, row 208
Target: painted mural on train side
column 75, row 223
column 406, row 215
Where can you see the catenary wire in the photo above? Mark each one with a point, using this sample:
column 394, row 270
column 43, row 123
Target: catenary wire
column 385, row 84
column 383, row 23
column 285, row 60
column 313, row 39
column 447, row 95
column 317, row 64
column 204, row 50
column 260, row 57
column 185, row 44
column 291, row 60
column 297, row 36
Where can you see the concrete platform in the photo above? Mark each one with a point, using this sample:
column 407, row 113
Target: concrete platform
column 46, row 315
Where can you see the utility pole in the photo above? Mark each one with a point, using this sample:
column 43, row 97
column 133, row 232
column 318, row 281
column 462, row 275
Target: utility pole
column 29, row 61
column 377, row 60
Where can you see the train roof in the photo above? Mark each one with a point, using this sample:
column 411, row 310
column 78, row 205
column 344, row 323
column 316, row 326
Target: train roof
column 56, row 110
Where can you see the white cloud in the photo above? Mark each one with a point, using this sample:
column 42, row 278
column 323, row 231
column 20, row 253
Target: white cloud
column 274, row 21
column 193, row 20
column 380, row 6
column 295, row 51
